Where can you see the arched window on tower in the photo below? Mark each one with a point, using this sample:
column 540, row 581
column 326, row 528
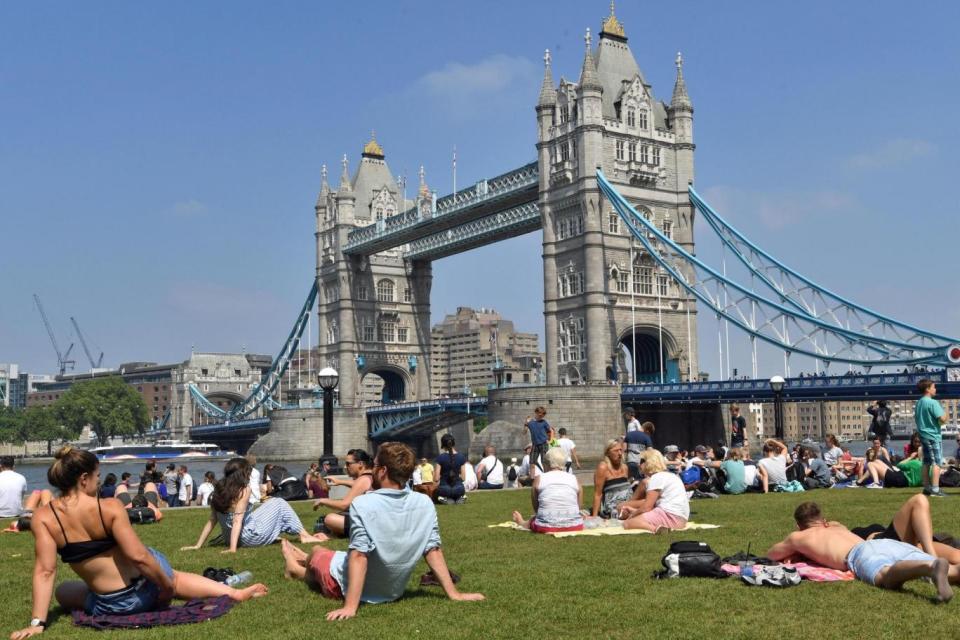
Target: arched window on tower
column 385, row 290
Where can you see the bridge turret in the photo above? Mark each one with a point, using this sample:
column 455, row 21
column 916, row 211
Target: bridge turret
column 681, row 119
column 346, row 198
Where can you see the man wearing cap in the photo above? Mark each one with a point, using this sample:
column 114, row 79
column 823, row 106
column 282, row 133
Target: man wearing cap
column 675, row 462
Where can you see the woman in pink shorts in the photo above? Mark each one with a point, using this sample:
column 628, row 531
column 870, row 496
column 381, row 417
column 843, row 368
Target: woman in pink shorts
column 660, row 501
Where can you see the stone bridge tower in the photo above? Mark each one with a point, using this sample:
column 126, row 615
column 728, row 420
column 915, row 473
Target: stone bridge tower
column 374, row 312
column 606, row 304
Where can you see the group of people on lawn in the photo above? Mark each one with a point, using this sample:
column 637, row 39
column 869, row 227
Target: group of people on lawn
column 390, row 527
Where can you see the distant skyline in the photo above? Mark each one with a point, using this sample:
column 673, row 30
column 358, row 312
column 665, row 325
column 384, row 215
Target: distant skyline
column 160, row 163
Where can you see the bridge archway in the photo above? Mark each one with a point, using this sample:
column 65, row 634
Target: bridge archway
column 642, row 349
column 226, row 400
column 384, row 384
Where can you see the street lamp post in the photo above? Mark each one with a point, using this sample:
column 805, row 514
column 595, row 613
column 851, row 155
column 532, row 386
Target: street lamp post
column 328, row 379
column 776, row 385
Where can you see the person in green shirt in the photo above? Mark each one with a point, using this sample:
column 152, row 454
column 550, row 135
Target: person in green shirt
column 929, row 416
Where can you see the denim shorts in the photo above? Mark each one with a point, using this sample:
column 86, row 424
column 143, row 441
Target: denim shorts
column 869, row 557
column 932, row 451
column 140, row 596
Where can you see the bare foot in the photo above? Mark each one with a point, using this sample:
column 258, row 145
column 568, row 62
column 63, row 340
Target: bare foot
column 317, row 537
column 253, row 591
column 288, row 547
column 940, row 569
column 518, row 519
column 294, row 561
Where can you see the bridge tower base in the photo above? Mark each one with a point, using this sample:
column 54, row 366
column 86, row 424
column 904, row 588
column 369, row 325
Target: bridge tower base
column 297, row 434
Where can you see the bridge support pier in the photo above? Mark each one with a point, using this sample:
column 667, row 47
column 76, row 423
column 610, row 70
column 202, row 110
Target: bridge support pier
column 297, row 434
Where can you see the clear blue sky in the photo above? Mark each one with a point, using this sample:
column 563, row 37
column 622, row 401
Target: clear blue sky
column 159, row 162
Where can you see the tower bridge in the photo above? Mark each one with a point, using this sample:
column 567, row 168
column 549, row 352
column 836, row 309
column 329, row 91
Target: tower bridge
column 611, row 193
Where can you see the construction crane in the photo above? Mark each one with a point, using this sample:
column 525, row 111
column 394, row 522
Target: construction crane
column 62, row 358
column 86, row 349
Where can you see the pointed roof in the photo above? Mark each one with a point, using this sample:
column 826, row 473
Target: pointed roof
column 324, row 186
column 345, row 186
column 548, row 95
column 611, row 26
column 680, row 96
column 588, row 73
column 373, row 149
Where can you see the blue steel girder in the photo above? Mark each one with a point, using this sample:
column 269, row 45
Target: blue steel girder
column 783, row 326
column 251, row 425
column 889, row 386
column 486, row 197
column 810, row 298
column 390, row 420
column 469, row 235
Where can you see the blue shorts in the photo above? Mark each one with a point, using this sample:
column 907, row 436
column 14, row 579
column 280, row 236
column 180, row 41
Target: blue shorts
column 140, row 596
column 869, row 557
column 932, row 451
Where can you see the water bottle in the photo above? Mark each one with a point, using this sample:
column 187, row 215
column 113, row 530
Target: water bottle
column 239, row 578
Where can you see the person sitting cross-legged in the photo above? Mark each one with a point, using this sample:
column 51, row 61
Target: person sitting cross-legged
column 556, row 497
column 392, row 529
column 358, row 466
column 772, row 469
column 660, row 500
column 883, row 563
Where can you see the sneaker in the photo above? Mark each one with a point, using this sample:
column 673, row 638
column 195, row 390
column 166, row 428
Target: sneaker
column 875, row 485
column 937, row 494
column 461, row 500
column 441, row 500
column 927, row 491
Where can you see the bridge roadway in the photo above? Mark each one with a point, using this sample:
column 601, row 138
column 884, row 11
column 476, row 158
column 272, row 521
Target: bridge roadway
column 419, row 419
column 489, row 211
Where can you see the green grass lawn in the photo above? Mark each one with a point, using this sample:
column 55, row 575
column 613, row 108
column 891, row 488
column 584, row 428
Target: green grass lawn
column 576, row 587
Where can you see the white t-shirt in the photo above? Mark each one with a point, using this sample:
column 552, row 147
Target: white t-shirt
column 776, row 468
column 673, row 497
column 524, row 466
column 186, row 484
column 13, row 488
column 204, row 491
column 750, row 475
column 567, row 445
column 832, row 455
column 417, row 476
column 469, row 477
column 633, row 425
column 254, row 486
column 494, row 469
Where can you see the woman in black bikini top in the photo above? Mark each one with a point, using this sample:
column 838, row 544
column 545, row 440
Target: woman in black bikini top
column 119, row 574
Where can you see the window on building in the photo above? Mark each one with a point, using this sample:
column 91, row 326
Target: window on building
column 361, row 292
column 564, row 151
column 668, row 228
column 619, row 149
column 379, row 213
column 387, row 331
column 204, row 372
column 656, row 156
column 663, row 285
column 402, row 334
column 631, row 118
column 614, row 223
column 645, row 154
column 367, row 333
column 563, row 114
column 407, row 295
column 385, row 290
column 237, row 373
column 632, row 149
column 623, row 281
column 643, row 119
column 643, row 280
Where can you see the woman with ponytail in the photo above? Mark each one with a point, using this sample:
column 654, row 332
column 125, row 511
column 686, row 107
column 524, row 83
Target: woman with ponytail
column 242, row 525
column 450, row 469
column 119, row 575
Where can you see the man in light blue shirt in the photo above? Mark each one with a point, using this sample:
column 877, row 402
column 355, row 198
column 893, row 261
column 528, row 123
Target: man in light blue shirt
column 929, row 415
column 391, row 528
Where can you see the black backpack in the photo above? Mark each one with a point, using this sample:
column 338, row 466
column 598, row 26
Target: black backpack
column 141, row 515
column 688, row 559
column 512, row 473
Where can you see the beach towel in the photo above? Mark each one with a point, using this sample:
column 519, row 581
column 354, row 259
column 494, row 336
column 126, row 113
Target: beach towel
column 193, row 611
column 607, row 530
column 807, row 571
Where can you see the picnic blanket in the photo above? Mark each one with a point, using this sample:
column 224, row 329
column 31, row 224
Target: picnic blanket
column 197, row 610
column 607, row 530
column 807, row 571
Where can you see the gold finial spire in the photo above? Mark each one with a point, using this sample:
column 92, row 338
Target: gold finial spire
column 373, row 149
column 612, row 26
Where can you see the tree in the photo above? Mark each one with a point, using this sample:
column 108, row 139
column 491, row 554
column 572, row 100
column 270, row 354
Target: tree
column 109, row 405
column 11, row 425
column 43, row 423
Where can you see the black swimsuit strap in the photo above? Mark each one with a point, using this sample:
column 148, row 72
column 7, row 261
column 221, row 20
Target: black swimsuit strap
column 102, row 523
column 64, row 531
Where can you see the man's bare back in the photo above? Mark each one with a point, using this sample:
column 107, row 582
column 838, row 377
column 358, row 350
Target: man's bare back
column 826, row 543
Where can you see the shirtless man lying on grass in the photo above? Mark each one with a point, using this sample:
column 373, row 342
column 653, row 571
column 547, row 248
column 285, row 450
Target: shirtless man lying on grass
column 884, row 563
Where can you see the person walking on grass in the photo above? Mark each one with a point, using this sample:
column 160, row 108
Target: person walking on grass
column 569, row 448
column 929, row 416
column 392, row 529
column 541, row 433
column 119, row 575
